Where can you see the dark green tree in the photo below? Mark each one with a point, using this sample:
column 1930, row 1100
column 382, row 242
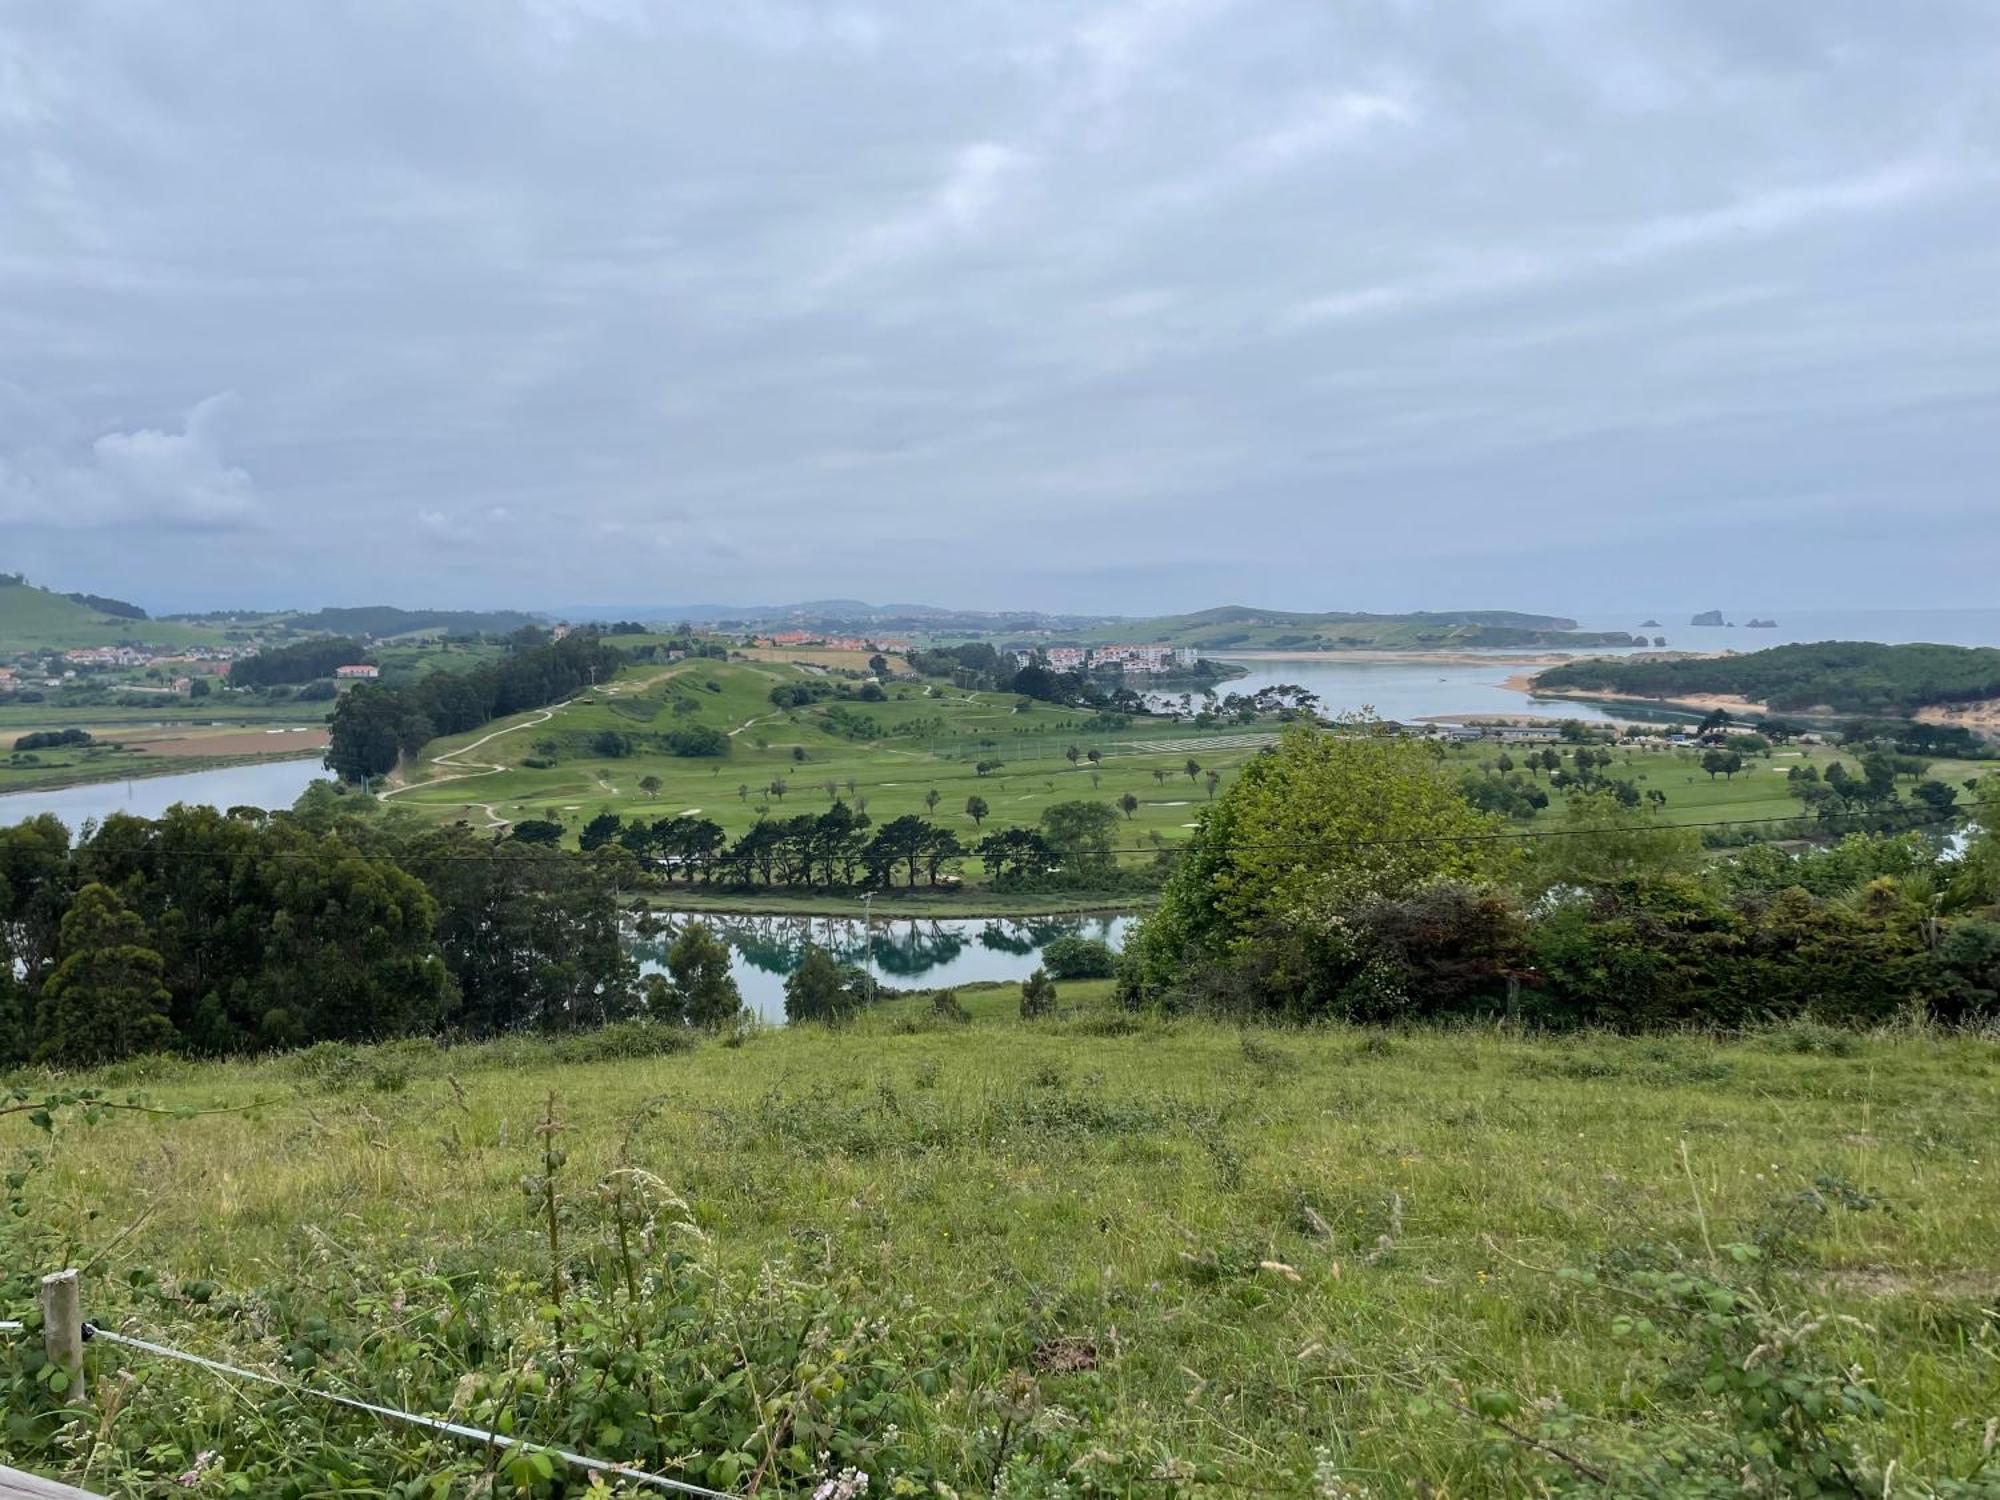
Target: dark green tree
column 105, row 999
column 699, row 963
column 820, row 990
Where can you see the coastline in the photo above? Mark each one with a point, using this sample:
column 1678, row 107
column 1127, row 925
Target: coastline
column 1523, row 682
column 1379, row 656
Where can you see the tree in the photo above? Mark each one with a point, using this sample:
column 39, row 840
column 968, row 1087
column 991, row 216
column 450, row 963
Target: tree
column 1213, row 779
column 821, row 990
column 976, row 809
column 1722, row 762
column 1193, row 768
column 200, row 687
column 1071, row 754
column 931, row 800
column 1306, row 832
column 105, row 999
column 699, row 963
column 1936, row 795
column 1095, row 757
column 1081, row 835
column 599, row 831
column 536, row 831
column 1605, row 840
column 650, row 785
column 1160, row 775
column 1038, row 996
column 1072, row 957
column 1128, row 804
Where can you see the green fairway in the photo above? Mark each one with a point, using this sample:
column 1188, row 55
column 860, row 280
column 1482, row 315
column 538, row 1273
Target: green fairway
column 924, row 739
column 930, row 739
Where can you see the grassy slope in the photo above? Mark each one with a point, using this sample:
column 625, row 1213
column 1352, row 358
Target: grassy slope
column 36, row 618
column 1051, row 1179
column 893, row 773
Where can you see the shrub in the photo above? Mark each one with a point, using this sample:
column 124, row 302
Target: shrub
column 945, row 1006
column 1038, row 996
column 1079, row 958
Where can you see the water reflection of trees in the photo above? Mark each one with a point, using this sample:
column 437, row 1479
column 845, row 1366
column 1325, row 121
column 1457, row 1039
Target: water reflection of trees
column 905, row 948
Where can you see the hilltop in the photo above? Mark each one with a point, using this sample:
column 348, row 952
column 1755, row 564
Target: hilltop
column 1841, row 677
column 32, row 617
column 1244, row 628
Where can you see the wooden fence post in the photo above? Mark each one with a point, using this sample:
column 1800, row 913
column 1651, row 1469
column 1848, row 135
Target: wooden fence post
column 62, row 1327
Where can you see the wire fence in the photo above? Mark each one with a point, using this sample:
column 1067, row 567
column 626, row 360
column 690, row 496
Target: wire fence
column 66, row 1332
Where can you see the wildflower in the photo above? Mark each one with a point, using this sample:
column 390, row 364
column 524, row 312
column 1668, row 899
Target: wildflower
column 848, row 1484
column 193, row 1476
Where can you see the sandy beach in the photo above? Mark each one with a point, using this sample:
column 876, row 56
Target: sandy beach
column 1432, row 658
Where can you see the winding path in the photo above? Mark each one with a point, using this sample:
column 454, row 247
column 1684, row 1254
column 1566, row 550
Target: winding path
column 450, row 758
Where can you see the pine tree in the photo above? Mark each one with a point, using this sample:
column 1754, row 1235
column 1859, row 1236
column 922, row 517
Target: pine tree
column 105, row 999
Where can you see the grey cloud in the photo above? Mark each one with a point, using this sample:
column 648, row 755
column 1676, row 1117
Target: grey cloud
column 174, row 480
column 1378, row 304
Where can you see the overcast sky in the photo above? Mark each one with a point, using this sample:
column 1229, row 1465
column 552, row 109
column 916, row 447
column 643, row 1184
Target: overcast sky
column 1087, row 304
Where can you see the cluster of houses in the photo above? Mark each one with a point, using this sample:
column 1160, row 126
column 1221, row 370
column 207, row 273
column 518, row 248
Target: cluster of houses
column 183, row 665
column 1153, row 658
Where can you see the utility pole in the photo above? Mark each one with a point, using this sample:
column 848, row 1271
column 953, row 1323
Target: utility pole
column 868, row 940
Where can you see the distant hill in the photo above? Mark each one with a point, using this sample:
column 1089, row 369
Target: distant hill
column 1847, row 677
column 382, row 621
column 34, row 618
column 1241, row 628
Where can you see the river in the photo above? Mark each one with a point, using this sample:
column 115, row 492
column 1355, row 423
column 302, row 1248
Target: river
column 270, row 784
column 904, row 953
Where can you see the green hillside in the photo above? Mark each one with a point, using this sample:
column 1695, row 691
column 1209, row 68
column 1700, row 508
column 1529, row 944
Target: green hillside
column 383, row 620
column 1240, row 628
column 1859, row 677
column 33, row 618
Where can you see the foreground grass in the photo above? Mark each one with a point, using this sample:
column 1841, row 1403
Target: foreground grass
column 1227, row 1252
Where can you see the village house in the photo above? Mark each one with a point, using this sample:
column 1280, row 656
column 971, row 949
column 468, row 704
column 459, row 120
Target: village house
column 359, row 672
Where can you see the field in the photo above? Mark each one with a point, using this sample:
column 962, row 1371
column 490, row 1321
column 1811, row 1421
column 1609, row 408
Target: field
column 1168, row 1257
column 897, row 771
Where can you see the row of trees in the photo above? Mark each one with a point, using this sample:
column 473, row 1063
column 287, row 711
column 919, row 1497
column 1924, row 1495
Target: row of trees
column 302, row 661
column 214, row 933
column 1342, row 875
column 375, row 725
column 1072, row 845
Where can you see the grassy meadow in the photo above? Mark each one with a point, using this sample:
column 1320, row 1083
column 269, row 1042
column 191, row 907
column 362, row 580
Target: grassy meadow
column 1167, row 1257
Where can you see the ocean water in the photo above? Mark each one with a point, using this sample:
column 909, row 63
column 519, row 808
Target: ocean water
column 1896, row 627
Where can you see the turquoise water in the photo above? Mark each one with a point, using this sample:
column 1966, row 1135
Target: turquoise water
column 1409, row 691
